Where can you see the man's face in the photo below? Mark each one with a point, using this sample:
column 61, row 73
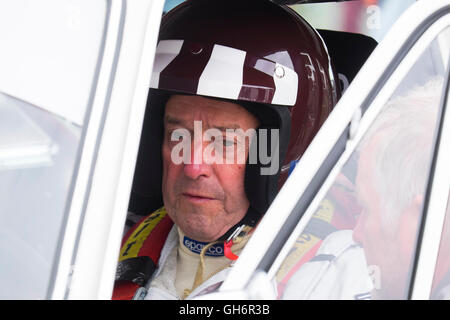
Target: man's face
column 388, row 247
column 204, row 199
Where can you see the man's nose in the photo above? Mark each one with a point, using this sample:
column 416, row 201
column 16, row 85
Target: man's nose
column 194, row 171
column 197, row 166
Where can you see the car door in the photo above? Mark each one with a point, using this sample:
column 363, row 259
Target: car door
column 73, row 88
column 325, row 236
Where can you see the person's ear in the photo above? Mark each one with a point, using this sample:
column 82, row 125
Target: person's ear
column 418, row 200
column 417, row 203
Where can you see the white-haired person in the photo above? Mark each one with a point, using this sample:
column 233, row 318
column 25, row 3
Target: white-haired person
column 374, row 260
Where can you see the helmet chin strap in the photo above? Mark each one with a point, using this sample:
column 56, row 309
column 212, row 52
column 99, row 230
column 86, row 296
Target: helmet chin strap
column 236, row 233
column 250, row 219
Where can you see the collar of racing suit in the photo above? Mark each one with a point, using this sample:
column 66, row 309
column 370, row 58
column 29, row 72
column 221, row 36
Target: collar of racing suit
column 198, row 261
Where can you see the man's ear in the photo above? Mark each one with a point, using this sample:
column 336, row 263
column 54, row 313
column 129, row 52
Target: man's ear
column 413, row 211
column 418, row 200
column 416, row 204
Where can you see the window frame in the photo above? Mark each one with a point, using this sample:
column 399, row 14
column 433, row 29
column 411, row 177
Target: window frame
column 435, row 202
column 121, row 100
column 93, row 124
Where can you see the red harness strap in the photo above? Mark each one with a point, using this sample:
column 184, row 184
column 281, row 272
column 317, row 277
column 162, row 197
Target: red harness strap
column 139, row 255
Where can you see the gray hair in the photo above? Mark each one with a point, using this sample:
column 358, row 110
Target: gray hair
column 404, row 133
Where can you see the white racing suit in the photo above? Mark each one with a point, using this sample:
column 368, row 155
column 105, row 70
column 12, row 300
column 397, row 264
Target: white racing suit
column 158, row 261
column 162, row 286
column 337, row 271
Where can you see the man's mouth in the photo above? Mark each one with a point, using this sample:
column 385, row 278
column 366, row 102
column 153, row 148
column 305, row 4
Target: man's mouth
column 197, row 198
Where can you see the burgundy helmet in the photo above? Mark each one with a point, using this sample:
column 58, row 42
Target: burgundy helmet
column 254, row 53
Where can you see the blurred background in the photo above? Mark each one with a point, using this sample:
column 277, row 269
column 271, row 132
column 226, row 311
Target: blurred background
column 368, row 17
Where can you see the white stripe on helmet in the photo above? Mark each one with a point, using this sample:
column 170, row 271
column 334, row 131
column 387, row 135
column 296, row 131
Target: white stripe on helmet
column 286, row 85
column 223, row 75
column 166, row 52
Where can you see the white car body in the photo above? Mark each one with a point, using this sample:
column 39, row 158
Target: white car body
column 90, row 62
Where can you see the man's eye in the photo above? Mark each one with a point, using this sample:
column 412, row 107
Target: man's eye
column 227, row 143
column 224, row 143
column 177, row 135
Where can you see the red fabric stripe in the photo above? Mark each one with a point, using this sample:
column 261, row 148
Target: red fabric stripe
column 152, row 246
column 124, row 290
column 131, row 230
column 154, row 243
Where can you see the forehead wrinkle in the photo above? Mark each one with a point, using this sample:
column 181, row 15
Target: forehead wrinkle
column 209, row 112
column 232, row 126
column 174, row 120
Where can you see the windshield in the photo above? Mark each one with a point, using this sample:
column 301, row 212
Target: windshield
column 48, row 62
column 37, row 158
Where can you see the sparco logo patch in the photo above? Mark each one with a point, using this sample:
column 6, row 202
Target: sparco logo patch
column 215, row 250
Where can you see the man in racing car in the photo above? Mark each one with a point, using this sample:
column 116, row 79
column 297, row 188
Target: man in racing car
column 232, row 80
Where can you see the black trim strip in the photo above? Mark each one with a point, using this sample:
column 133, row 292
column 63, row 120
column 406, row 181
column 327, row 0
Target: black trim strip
column 319, row 228
column 438, row 135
